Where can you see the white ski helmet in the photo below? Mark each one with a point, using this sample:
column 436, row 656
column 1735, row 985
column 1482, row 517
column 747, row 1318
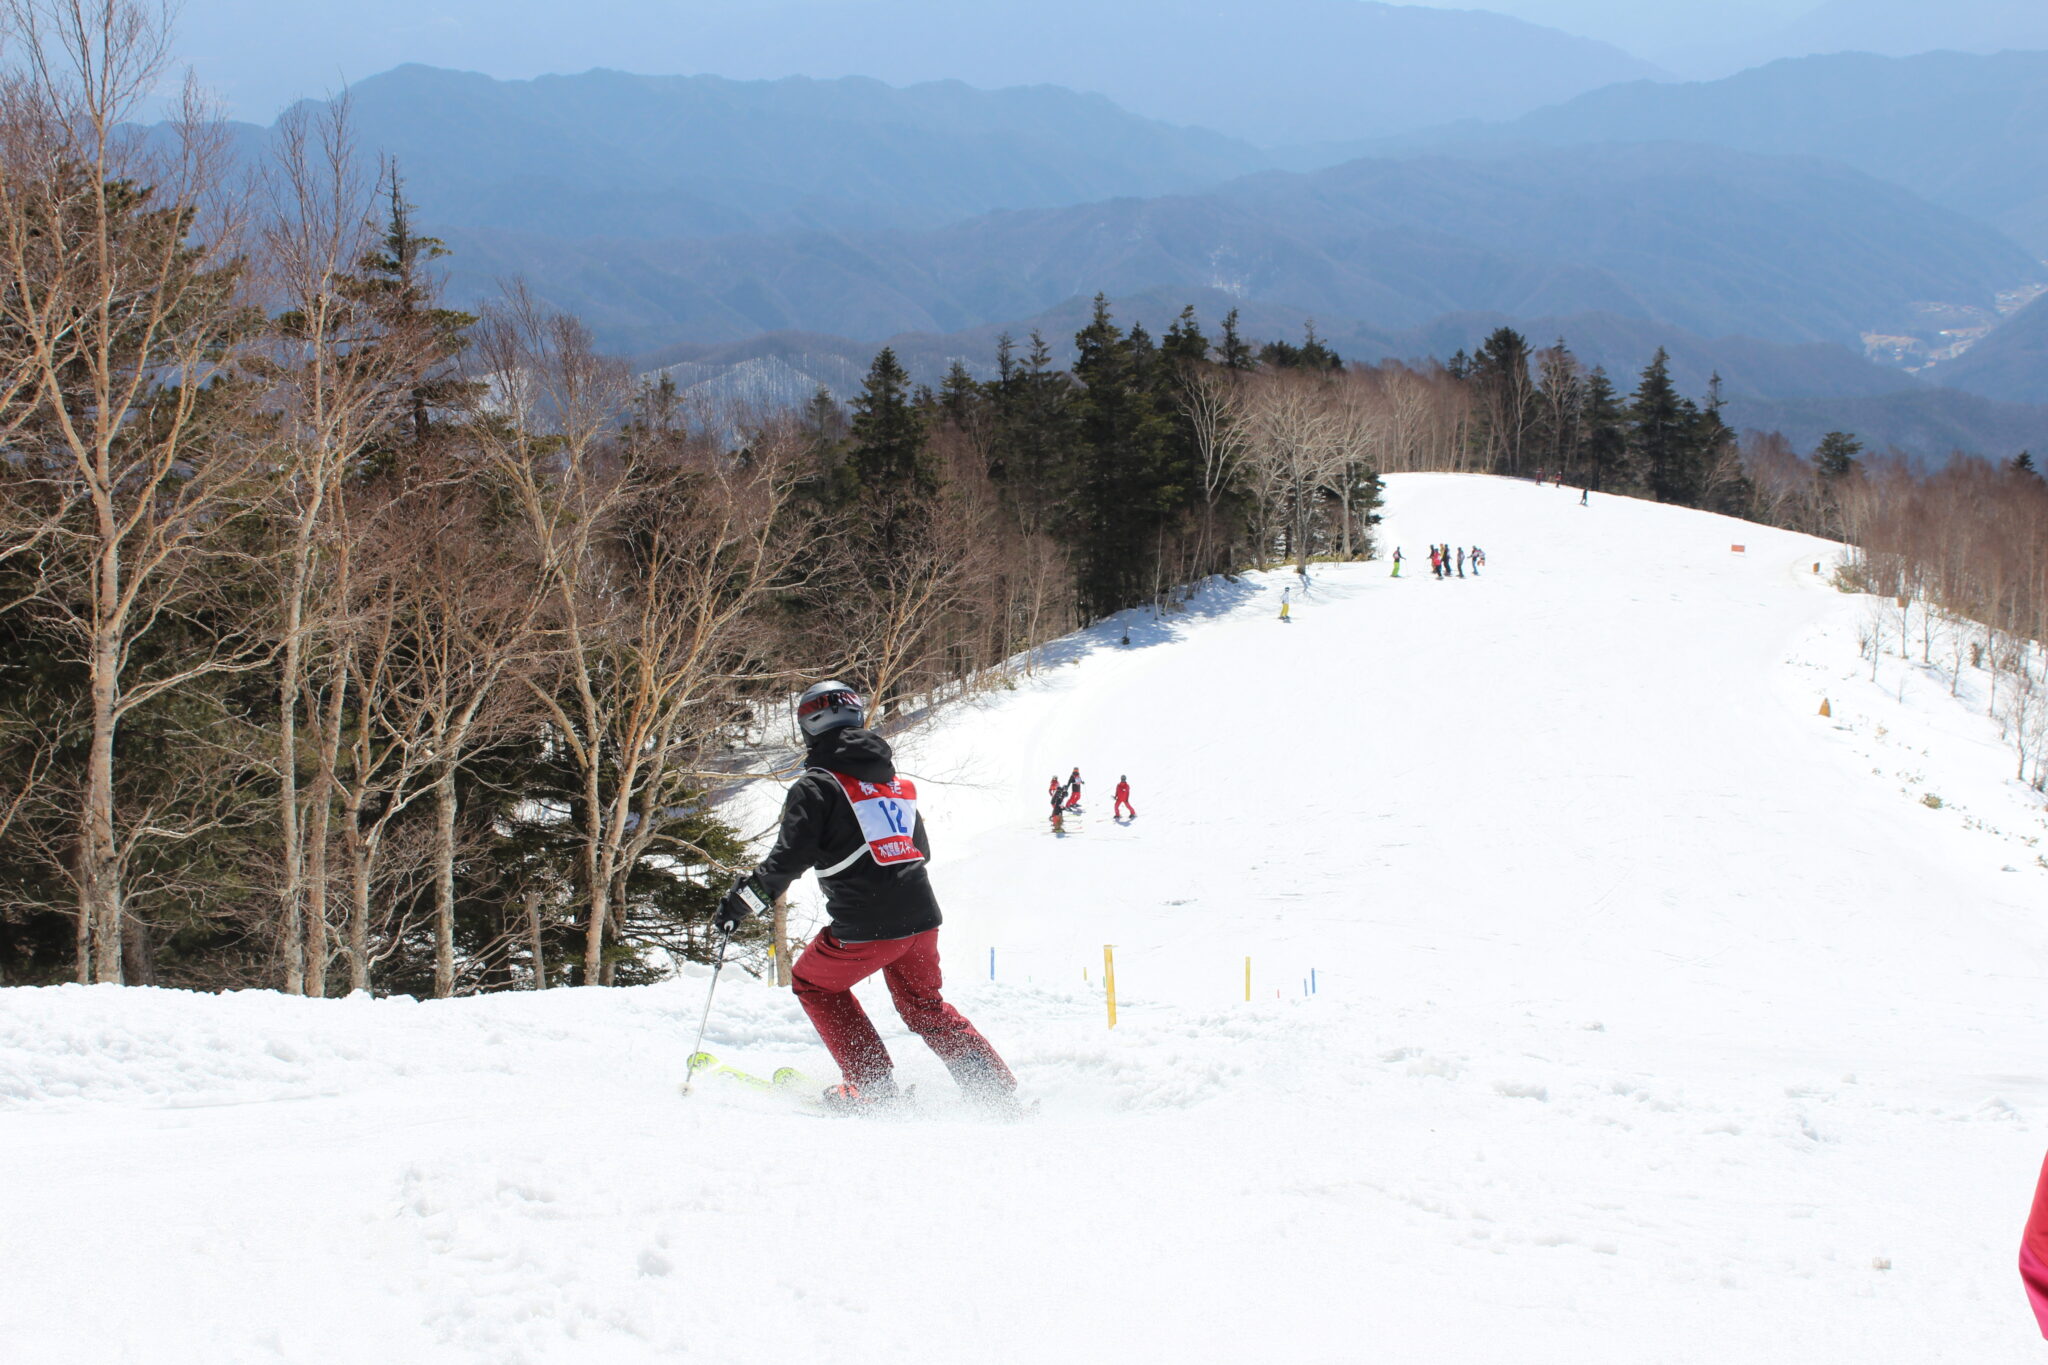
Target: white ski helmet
column 828, row 706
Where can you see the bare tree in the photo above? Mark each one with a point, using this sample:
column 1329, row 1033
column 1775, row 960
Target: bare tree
column 117, row 287
column 333, row 371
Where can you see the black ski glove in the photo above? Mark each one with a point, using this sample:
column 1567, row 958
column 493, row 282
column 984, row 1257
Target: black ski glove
column 747, row 897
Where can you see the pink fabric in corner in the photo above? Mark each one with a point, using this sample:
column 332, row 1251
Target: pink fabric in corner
column 2034, row 1253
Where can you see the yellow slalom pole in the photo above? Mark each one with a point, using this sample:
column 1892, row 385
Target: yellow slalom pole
column 1109, row 980
column 1247, row 981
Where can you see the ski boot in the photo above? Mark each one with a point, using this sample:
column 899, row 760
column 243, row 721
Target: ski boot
column 876, row 1097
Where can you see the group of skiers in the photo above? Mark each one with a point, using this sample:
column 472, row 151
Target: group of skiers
column 1066, row 796
column 1444, row 565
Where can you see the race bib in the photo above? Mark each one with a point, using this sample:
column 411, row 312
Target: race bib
column 887, row 812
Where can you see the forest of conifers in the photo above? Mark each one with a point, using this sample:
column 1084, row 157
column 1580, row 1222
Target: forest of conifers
column 352, row 642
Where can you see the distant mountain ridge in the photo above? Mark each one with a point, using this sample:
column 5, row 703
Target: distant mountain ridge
column 1714, row 242
column 2010, row 364
column 1968, row 132
column 1891, row 28
column 608, row 154
column 1281, row 70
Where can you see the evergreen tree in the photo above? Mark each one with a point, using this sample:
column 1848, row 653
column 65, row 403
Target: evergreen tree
column 1504, row 401
column 960, row 396
column 1313, row 354
column 1032, row 446
column 1834, row 465
column 1725, row 488
column 1184, row 344
column 1604, row 448
column 887, row 474
column 2023, row 463
column 1232, row 351
column 1122, row 439
column 403, row 294
column 1664, row 437
column 1835, row 458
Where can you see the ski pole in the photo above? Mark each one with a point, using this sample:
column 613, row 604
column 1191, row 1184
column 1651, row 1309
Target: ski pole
column 705, row 1023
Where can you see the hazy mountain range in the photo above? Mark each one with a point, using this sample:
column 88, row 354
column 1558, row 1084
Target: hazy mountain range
column 1281, row 70
column 1969, row 132
column 1892, row 28
column 1853, row 200
column 2011, row 363
column 606, row 154
column 1713, row 241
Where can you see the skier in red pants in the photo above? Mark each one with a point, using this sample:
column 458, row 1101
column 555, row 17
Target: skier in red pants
column 853, row 819
column 1123, row 799
column 1074, row 790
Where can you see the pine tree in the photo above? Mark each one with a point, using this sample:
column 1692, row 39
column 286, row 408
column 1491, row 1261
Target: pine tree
column 1032, row 447
column 1835, row 458
column 887, row 474
column 1505, row 401
column 1232, row 351
column 403, row 294
column 1834, row 464
column 1663, row 436
column 1122, row 435
column 1184, row 344
column 1605, row 444
column 1725, row 487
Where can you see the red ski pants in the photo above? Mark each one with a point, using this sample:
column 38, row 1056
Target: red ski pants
column 1122, row 805
column 825, row 976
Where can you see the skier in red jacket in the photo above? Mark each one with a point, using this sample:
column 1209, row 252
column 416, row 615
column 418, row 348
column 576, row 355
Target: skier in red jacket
column 1123, row 799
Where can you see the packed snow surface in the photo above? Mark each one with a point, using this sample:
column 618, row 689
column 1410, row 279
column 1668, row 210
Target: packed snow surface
column 1655, row 1018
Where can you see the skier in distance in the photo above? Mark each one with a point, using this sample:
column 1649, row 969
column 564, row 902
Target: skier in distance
column 851, row 817
column 1123, row 799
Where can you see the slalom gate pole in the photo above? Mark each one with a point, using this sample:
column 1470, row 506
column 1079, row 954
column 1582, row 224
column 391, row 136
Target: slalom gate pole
column 1109, row 980
column 1247, row 981
column 705, row 1023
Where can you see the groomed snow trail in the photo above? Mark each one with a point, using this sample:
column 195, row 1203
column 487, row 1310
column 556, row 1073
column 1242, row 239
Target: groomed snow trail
column 1650, row 1025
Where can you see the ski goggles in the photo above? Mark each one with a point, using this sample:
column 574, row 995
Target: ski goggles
column 828, row 701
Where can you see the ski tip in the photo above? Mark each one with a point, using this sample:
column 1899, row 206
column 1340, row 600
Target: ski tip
column 700, row 1060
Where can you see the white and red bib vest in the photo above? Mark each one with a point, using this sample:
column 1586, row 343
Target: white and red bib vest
column 887, row 812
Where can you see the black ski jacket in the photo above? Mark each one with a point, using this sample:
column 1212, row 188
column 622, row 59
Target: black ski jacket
column 866, row 901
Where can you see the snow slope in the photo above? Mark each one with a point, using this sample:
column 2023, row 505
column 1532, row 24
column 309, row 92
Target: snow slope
column 1651, row 1025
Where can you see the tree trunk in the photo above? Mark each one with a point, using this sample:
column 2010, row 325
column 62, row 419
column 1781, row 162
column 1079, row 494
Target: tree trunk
column 444, row 883
column 597, row 880
column 291, row 899
column 317, row 936
column 533, row 938
column 360, row 855
column 99, row 882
